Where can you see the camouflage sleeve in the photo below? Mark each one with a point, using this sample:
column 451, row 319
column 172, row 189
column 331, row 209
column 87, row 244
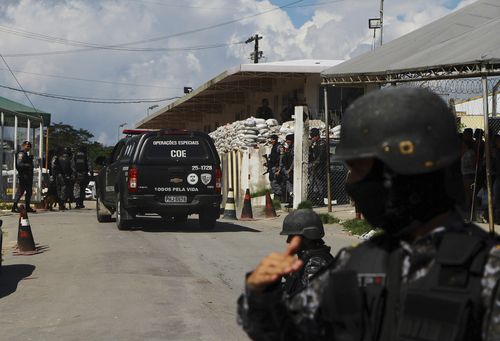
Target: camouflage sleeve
column 271, row 316
column 491, row 296
column 263, row 316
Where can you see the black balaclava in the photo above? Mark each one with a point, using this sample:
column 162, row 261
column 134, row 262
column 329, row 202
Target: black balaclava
column 399, row 203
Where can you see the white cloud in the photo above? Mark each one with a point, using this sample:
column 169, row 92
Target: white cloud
column 336, row 31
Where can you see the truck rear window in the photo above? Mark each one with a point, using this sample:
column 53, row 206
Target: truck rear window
column 169, row 148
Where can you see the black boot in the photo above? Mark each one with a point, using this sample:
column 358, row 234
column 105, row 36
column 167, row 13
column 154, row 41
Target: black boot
column 15, row 209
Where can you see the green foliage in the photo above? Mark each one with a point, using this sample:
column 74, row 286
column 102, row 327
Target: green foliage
column 327, row 218
column 5, row 206
column 305, row 204
column 277, row 204
column 65, row 135
column 260, row 193
column 357, row 226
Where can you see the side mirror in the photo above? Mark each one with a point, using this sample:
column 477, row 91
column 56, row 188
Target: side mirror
column 101, row 161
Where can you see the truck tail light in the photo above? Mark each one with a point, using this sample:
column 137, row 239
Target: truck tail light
column 218, row 180
column 132, row 180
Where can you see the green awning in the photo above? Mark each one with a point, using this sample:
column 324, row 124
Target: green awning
column 8, row 106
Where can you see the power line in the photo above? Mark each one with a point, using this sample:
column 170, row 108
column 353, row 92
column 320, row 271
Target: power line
column 95, row 80
column 93, row 99
column 18, row 83
column 43, row 37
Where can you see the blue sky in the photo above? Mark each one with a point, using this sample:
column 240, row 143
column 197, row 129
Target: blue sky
column 335, row 29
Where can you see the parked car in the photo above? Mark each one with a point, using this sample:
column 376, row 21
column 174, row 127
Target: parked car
column 173, row 173
column 90, row 191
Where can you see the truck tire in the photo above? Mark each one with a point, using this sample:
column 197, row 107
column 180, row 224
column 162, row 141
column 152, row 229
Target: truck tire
column 103, row 216
column 124, row 219
column 208, row 218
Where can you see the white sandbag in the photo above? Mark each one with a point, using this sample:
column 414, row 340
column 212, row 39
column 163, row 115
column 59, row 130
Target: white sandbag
column 260, row 121
column 272, row 122
column 250, row 122
column 261, row 126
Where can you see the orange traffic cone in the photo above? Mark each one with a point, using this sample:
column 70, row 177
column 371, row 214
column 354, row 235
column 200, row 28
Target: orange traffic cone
column 25, row 241
column 246, row 213
column 270, row 211
column 230, row 208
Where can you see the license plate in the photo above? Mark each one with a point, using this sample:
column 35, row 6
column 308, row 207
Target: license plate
column 176, row 199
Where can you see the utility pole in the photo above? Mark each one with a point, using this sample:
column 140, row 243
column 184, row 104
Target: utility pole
column 381, row 22
column 256, row 55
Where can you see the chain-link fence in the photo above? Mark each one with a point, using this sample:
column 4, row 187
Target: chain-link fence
column 467, row 177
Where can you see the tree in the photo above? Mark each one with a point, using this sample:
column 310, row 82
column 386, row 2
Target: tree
column 65, row 135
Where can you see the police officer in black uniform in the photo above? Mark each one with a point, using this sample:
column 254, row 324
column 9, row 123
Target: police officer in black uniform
column 58, row 176
column 273, row 166
column 286, row 169
column 67, row 173
column 317, row 166
column 80, row 168
column 312, row 250
column 24, row 166
column 428, row 276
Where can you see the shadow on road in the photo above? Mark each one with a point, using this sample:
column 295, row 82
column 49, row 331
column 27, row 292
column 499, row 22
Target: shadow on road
column 191, row 226
column 11, row 275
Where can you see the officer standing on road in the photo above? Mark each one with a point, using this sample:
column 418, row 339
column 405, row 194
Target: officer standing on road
column 428, row 275
column 317, row 163
column 273, row 166
column 286, row 168
column 67, row 172
column 58, row 176
column 312, row 251
column 80, row 168
column 24, row 166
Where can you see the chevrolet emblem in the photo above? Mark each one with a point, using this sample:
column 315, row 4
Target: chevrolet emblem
column 176, row 180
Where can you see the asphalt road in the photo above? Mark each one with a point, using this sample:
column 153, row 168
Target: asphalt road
column 161, row 282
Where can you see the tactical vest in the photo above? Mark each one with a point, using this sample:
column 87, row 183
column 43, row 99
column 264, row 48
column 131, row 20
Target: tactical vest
column 367, row 301
column 80, row 161
column 65, row 163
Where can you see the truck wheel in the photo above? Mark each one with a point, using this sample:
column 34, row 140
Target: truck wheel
column 208, row 218
column 103, row 216
column 124, row 219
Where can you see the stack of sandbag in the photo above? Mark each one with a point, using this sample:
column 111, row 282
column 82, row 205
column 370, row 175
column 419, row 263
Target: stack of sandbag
column 241, row 135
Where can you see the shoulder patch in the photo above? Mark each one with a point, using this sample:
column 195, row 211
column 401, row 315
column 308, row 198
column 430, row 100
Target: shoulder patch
column 20, row 156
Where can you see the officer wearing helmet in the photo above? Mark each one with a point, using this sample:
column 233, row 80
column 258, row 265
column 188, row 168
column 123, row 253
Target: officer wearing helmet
column 317, row 167
column 428, row 276
column 24, row 166
column 312, row 251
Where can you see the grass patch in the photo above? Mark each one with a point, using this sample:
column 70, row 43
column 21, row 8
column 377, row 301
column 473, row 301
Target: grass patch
column 5, row 205
column 327, row 218
column 260, row 193
column 305, row 204
column 357, row 226
column 277, row 204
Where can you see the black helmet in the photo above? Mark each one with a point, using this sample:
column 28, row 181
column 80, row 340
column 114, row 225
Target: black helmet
column 304, row 222
column 315, row 132
column 411, row 130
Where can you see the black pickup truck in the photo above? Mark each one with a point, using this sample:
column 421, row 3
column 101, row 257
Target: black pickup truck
column 173, row 173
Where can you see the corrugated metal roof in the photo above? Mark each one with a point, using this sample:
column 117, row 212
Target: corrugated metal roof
column 467, row 36
column 221, row 89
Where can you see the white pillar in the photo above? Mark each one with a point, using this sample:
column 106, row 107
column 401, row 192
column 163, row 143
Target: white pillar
column 298, row 151
column 14, row 175
column 40, row 161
